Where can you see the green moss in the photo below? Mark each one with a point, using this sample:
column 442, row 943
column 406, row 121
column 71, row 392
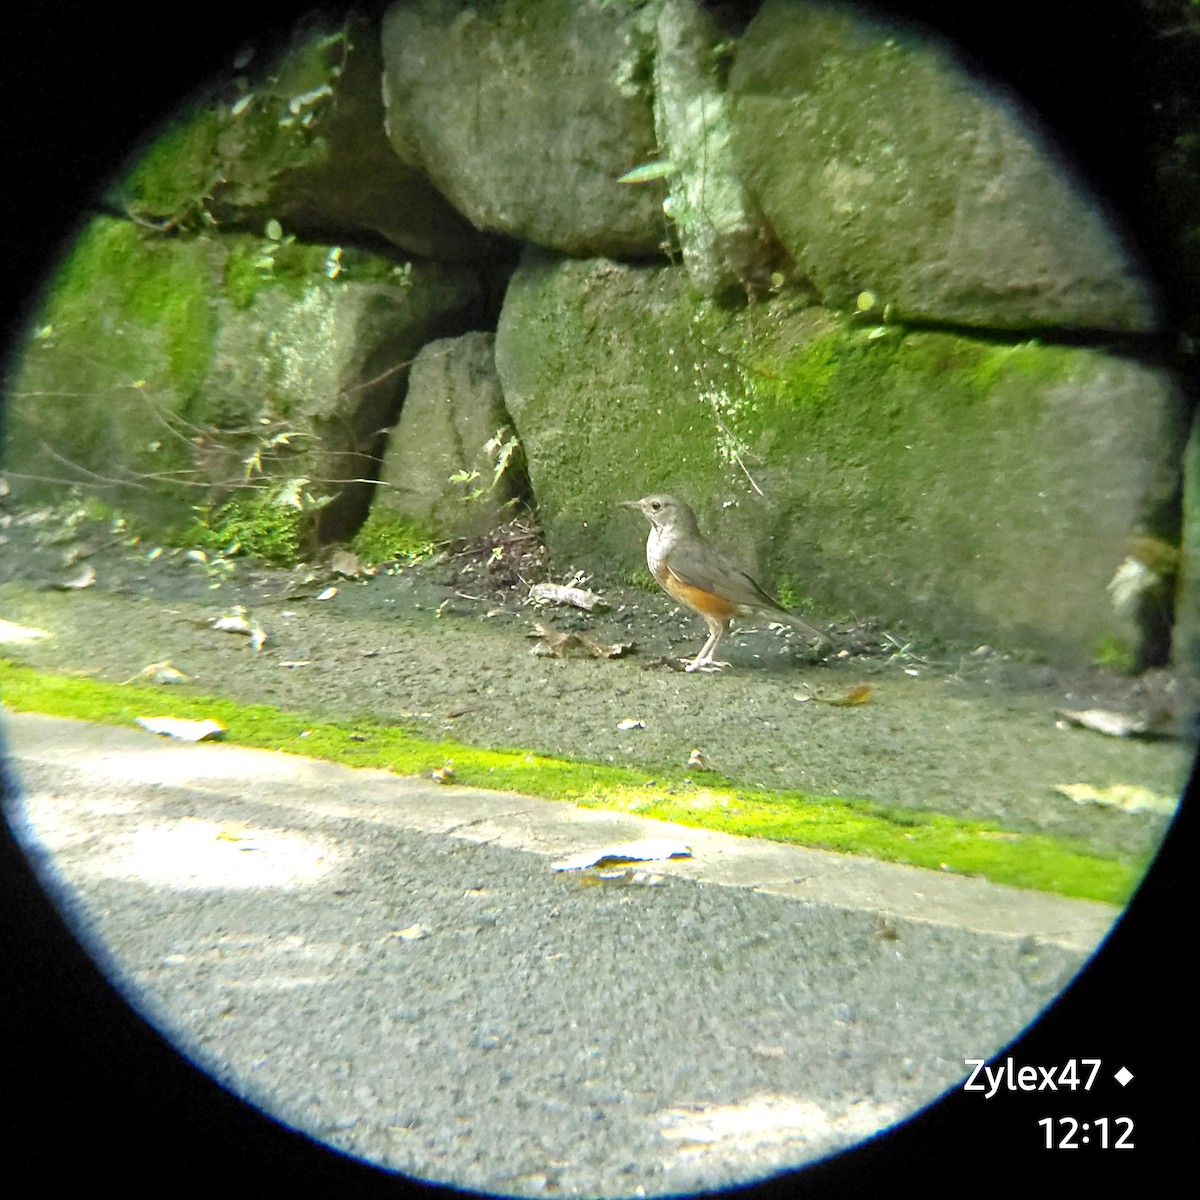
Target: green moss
column 92, row 508
column 256, row 264
column 240, row 147
column 806, row 378
column 640, row 577
column 257, row 524
column 788, row 593
column 243, row 279
column 170, row 181
column 1115, row 653
column 838, row 367
column 386, row 536
column 124, row 341
column 841, row 367
column 923, row 839
column 117, row 271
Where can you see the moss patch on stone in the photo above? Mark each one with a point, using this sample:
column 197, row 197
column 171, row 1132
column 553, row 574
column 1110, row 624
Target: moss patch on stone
column 269, row 262
column 260, row 525
column 122, row 346
column 385, row 536
column 219, row 145
column 170, row 182
column 116, row 271
column 923, row 839
column 918, row 476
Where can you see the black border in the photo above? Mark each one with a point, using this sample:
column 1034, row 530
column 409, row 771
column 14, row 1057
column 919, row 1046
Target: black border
column 95, row 1096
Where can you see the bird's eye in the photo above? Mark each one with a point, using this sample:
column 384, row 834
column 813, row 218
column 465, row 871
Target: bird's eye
column 654, row 504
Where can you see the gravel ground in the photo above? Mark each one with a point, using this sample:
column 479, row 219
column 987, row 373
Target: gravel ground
column 446, row 647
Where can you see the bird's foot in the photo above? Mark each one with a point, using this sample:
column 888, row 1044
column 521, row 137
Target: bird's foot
column 708, row 665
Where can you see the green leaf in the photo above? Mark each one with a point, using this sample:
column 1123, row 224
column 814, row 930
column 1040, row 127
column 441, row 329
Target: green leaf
column 649, row 171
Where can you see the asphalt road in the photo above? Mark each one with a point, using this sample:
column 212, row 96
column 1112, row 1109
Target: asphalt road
column 397, row 970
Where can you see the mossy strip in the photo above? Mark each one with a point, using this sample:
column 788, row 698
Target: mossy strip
column 918, row 838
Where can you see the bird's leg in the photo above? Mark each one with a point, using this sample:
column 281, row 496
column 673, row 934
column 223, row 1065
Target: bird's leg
column 704, row 660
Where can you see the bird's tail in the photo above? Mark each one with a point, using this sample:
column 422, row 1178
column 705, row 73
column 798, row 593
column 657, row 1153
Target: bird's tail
column 805, row 628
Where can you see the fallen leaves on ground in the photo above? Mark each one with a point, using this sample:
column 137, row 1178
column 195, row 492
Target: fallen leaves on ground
column 1126, row 797
column 559, row 643
column 557, row 593
column 647, row 850
column 11, row 632
column 620, row 878
column 160, row 672
column 85, row 577
column 414, row 933
column 851, row 699
column 237, row 620
column 348, row 565
column 185, row 731
column 1114, row 724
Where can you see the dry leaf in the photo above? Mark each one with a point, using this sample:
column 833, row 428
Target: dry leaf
column 855, row 696
column 85, row 577
column 237, row 621
column 20, row 633
column 184, row 730
column 1126, row 797
column 620, row 877
column 555, row 593
column 414, row 933
column 160, row 672
column 553, row 642
column 234, row 621
column 1114, row 724
column 630, row 723
column 240, row 834
column 648, row 850
column 557, row 642
column 605, row 649
column 348, row 565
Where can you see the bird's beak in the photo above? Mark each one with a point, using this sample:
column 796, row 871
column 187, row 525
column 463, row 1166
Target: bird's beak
column 629, row 504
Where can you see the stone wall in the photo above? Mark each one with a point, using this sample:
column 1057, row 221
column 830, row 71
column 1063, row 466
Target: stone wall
column 800, row 267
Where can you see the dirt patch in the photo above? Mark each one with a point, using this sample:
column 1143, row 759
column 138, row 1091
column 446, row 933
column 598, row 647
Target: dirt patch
column 448, row 647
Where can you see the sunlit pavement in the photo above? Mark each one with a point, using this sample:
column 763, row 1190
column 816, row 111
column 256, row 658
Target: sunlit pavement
column 398, row 968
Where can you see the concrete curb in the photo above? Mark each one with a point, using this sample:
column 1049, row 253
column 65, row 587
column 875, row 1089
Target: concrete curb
column 553, row 829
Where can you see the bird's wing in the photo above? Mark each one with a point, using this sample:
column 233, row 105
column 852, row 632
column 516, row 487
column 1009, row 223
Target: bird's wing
column 711, row 571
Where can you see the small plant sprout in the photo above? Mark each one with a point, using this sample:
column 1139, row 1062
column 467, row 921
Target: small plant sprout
column 276, row 241
column 253, row 462
column 500, row 449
